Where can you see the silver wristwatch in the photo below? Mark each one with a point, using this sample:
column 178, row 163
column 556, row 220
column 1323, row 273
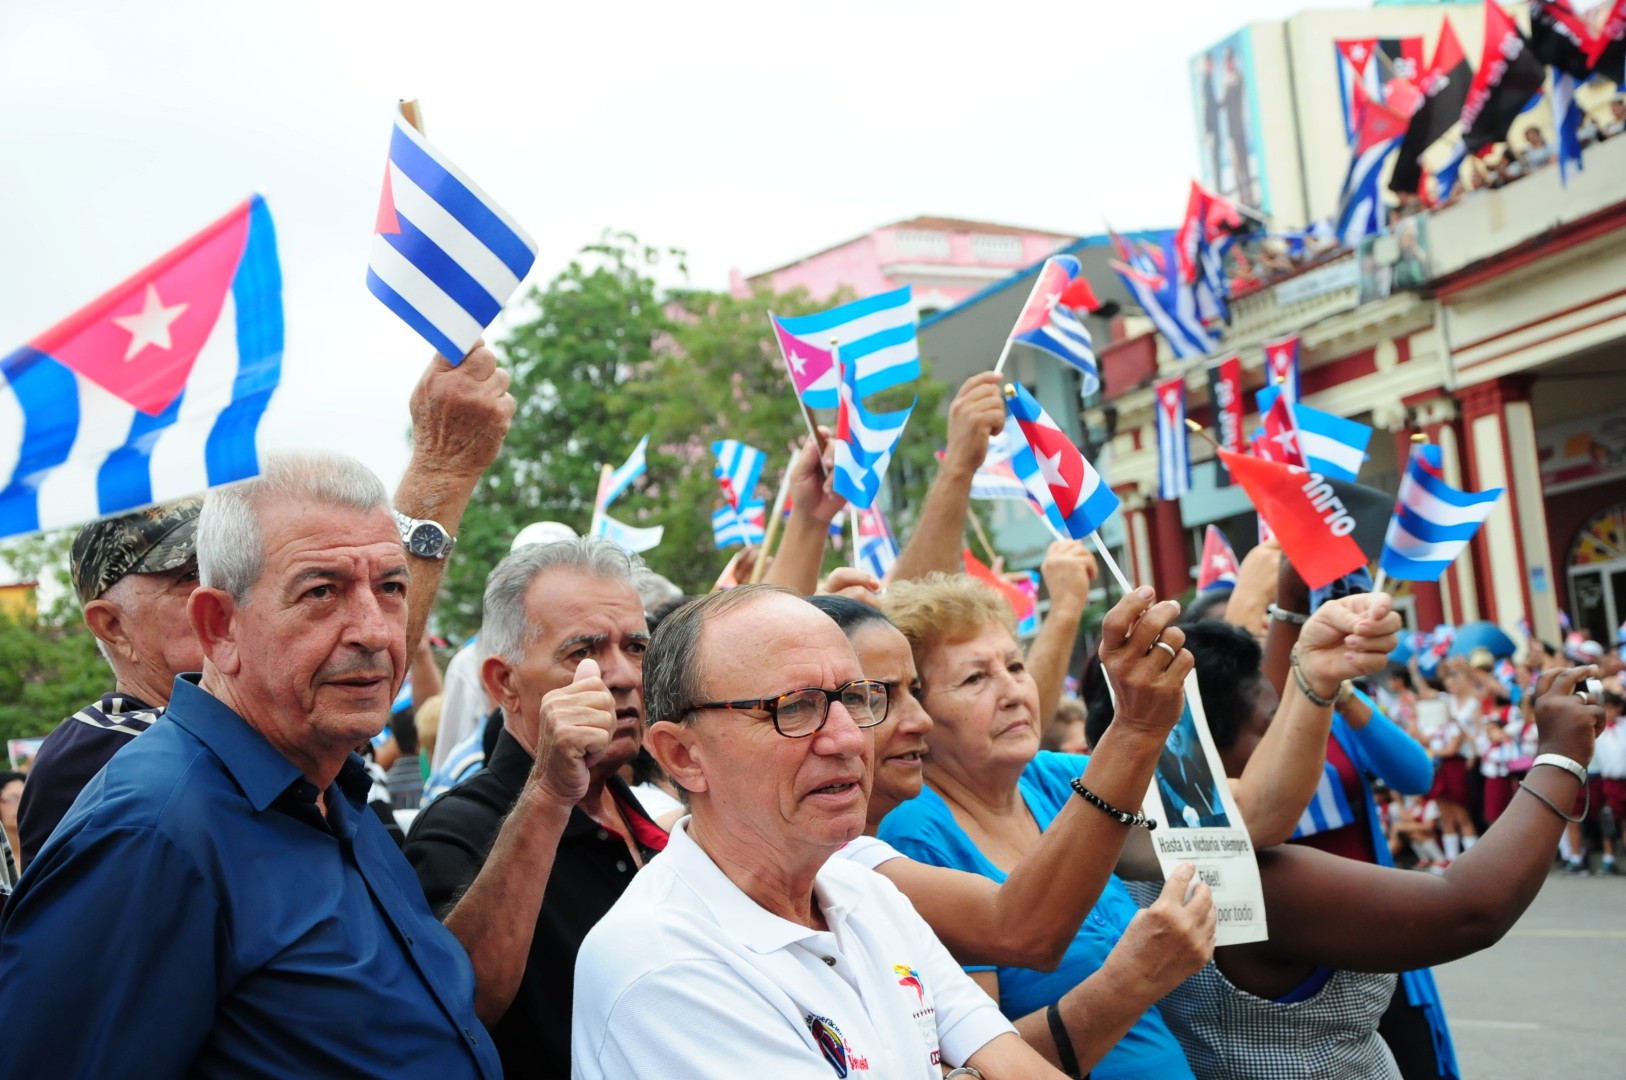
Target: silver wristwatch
column 425, row 539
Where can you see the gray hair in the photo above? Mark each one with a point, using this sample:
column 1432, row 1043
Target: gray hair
column 673, row 680
column 653, row 589
column 231, row 548
column 504, row 630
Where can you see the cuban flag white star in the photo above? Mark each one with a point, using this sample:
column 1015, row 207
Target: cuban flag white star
column 150, row 325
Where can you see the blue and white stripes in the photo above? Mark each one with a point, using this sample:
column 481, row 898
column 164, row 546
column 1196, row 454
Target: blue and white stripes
column 445, row 257
column 1433, row 521
column 877, row 337
column 738, row 528
column 1332, row 445
column 738, row 469
column 630, row 470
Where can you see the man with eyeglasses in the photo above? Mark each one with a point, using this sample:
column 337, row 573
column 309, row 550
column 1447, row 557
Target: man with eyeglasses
column 744, row 947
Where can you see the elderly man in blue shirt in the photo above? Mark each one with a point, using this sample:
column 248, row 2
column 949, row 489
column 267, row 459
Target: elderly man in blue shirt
column 219, row 900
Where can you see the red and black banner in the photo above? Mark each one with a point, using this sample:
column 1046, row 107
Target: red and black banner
column 1561, row 38
column 1607, row 54
column 1327, row 528
column 1226, row 401
column 1445, row 90
column 1510, row 74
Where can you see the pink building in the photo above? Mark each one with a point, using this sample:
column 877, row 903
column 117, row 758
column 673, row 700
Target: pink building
column 945, row 259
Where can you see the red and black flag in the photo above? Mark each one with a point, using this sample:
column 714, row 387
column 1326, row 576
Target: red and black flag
column 1561, row 38
column 1510, row 74
column 1607, row 53
column 1327, row 528
column 1445, row 90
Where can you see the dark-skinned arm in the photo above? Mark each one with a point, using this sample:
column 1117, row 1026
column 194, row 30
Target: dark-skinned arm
column 460, row 416
column 976, row 414
column 1336, row 912
column 1255, row 587
column 1031, row 919
column 1293, row 596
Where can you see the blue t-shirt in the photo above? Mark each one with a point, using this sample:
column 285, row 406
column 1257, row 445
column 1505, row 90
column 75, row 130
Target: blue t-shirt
column 924, row 829
column 195, row 914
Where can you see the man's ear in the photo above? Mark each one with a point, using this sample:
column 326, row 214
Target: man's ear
column 212, row 613
column 677, row 749
column 105, row 619
column 502, row 684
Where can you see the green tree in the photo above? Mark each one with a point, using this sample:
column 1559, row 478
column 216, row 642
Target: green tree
column 49, row 667
column 611, row 357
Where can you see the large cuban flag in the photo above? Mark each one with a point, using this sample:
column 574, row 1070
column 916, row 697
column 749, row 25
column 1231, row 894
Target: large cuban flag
column 445, row 257
column 876, row 336
column 152, row 392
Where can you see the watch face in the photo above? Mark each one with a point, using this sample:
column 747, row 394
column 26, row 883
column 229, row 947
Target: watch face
column 427, row 541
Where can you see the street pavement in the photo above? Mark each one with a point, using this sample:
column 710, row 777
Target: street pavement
column 1550, row 998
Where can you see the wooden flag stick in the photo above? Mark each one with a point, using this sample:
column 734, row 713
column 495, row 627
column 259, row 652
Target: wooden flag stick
column 982, row 536
column 1198, row 429
column 772, row 533
column 413, row 114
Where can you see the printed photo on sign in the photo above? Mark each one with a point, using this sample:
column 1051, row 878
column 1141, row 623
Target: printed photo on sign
column 1198, row 822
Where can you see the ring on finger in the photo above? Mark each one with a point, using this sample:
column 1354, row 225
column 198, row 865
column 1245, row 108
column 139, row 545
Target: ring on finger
column 1174, row 654
column 1586, row 698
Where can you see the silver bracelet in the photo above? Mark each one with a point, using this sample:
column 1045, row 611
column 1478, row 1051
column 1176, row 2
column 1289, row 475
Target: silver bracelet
column 964, row 1070
column 1304, row 684
column 1297, row 618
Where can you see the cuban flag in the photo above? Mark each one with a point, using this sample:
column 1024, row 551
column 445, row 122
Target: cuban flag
column 1361, row 211
column 1279, row 439
column 1050, row 321
column 445, row 257
column 877, row 547
column 1173, row 451
column 1446, row 178
column 1166, row 300
column 152, row 392
column 876, row 336
column 1569, row 112
column 738, row 469
column 621, row 479
column 1331, row 445
column 865, row 442
column 627, row 537
column 1329, row 807
column 1282, row 366
column 1433, row 521
column 1218, row 569
column 1074, row 498
column 731, row 527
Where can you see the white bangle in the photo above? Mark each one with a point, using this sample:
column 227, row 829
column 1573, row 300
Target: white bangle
column 1569, row 765
column 1297, row 618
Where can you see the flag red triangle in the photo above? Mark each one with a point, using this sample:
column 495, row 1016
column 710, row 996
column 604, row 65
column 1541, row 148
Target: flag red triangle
column 387, row 223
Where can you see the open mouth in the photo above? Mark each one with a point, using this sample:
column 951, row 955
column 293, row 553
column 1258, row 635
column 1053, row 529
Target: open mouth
column 910, row 757
column 843, row 787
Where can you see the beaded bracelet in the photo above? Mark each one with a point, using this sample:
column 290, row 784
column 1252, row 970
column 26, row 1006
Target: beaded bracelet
column 1137, row 819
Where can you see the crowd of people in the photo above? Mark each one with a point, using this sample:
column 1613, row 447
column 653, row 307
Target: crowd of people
column 789, row 829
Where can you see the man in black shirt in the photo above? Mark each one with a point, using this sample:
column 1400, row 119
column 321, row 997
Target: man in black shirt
column 522, row 859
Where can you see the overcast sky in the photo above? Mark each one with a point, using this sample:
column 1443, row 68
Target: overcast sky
column 748, row 133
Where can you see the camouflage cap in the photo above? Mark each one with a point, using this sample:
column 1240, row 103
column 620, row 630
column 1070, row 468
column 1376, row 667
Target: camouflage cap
column 148, row 541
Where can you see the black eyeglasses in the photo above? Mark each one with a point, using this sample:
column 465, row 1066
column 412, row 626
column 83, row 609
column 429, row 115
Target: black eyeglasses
column 801, row 713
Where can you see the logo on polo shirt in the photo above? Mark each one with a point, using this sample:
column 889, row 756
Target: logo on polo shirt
column 833, row 1045
column 908, row 976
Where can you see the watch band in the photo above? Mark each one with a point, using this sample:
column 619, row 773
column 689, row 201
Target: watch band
column 1569, row 765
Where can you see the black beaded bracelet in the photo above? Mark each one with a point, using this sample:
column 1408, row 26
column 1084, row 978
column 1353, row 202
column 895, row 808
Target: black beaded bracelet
column 1137, row 819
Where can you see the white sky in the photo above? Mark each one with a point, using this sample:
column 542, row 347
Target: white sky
column 748, row 133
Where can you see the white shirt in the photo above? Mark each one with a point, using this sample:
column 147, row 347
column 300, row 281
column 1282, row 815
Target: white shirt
column 463, row 701
column 1610, row 753
column 687, row 976
column 869, row 852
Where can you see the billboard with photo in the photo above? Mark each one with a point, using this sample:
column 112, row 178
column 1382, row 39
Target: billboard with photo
column 1230, row 144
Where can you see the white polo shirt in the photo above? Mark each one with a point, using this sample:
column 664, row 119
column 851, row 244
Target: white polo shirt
column 687, row 976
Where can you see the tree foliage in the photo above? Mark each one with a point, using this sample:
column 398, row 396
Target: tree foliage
column 49, row 667
column 611, row 356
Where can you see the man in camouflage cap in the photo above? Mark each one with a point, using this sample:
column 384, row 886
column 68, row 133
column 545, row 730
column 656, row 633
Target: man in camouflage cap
column 134, row 574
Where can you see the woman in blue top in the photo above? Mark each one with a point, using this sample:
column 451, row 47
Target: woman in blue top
column 990, row 793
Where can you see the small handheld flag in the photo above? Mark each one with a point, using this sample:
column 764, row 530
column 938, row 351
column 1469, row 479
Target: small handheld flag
column 1049, row 321
column 1327, row 528
column 1219, row 566
column 877, row 549
column 621, row 479
column 153, row 391
column 865, row 442
column 738, row 469
column 1074, row 498
column 1433, row 521
column 445, row 257
column 877, row 336
column 742, row 526
column 1331, row 445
